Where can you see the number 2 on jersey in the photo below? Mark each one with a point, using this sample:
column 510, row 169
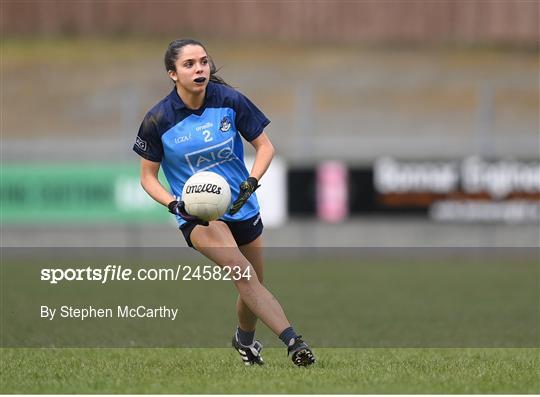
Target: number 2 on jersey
column 207, row 136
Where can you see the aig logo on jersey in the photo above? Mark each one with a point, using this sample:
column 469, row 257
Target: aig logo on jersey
column 225, row 124
column 204, row 159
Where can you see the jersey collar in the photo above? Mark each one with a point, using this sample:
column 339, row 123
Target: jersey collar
column 175, row 99
column 178, row 104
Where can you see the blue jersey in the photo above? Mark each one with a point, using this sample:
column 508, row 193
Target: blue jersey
column 187, row 141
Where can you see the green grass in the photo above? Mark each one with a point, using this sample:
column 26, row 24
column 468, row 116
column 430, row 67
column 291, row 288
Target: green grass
column 353, row 303
column 220, row 371
column 379, row 326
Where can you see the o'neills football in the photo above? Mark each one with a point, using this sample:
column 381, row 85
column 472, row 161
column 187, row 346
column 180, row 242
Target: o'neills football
column 206, row 195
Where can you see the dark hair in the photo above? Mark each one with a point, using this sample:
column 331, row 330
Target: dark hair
column 171, row 55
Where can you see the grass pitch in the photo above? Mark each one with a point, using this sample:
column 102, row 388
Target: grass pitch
column 219, row 370
column 391, row 326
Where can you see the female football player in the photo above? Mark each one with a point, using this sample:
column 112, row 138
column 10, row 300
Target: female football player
column 200, row 126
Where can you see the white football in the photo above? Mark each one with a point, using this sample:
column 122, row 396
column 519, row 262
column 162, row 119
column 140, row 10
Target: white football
column 206, row 195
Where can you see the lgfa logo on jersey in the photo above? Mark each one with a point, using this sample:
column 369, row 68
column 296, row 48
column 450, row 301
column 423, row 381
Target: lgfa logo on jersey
column 225, row 124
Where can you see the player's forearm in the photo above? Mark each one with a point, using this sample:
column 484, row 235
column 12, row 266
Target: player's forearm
column 155, row 189
column 263, row 158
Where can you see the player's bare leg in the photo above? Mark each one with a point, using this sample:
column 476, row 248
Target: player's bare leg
column 217, row 244
column 243, row 339
column 254, row 254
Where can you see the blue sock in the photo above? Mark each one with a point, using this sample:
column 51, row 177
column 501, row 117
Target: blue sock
column 287, row 335
column 246, row 338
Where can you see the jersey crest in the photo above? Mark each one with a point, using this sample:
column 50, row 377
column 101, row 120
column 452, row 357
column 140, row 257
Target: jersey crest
column 225, row 124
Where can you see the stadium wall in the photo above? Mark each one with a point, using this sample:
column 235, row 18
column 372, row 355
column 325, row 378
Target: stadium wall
column 365, row 232
column 413, row 21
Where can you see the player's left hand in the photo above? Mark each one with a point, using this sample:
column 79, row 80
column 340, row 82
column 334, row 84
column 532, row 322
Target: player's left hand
column 179, row 208
column 246, row 190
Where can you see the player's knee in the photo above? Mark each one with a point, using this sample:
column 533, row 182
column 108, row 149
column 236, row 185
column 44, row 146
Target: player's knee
column 247, row 280
column 235, row 265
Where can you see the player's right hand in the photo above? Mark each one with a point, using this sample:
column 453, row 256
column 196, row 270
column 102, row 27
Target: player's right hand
column 246, row 190
column 179, row 208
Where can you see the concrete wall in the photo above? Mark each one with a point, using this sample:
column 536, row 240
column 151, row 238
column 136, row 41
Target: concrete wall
column 354, row 233
column 417, row 21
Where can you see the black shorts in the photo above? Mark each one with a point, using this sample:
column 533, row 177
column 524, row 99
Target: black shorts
column 244, row 232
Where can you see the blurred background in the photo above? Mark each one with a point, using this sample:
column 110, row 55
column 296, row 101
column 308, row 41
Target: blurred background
column 396, row 123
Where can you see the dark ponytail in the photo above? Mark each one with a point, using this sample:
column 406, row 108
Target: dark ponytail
column 171, row 55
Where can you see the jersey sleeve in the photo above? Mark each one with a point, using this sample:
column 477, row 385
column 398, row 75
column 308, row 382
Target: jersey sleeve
column 148, row 143
column 250, row 121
